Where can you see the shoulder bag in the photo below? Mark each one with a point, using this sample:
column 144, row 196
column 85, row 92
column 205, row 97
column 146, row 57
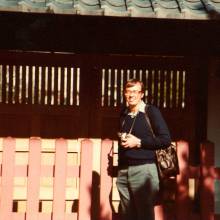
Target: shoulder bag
column 166, row 158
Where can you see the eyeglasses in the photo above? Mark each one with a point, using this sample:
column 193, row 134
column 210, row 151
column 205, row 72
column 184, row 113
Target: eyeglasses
column 134, row 92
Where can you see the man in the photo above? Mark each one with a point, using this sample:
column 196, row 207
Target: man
column 137, row 180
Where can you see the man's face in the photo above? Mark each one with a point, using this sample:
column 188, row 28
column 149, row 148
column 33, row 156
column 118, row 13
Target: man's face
column 133, row 95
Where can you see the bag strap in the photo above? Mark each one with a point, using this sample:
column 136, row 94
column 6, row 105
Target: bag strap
column 148, row 120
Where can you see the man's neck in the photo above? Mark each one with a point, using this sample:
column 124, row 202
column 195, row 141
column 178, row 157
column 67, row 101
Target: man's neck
column 134, row 109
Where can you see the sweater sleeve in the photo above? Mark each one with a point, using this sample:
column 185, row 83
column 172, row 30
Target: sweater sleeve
column 162, row 137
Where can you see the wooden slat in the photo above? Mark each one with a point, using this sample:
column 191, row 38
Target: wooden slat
column 33, row 187
column 30, row 85
column 17, row 84
column 60, row 180
column 85, row 180
column 4, row 84
column 105, row 181
column 10, row 84
column 36, row 88
column 42, row 89
column 55, row 85
column 49, row 83
column 23, row 84
column 159, row 212
column 8, row 159
column 74, row 84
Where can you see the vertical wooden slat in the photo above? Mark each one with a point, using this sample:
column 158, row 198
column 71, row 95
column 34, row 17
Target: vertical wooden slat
column 159, row 212
column 23, row 85
column 105, row 87
column 17, row 85
column 124, row 80
column 118, row 103
column 62, row 87
column 56, row 86
column 182, row 196
column 150, row 86
column 60, row 175
column 3, row 84
column 34, row 173
column 74, row 85
column 68, row 85
column 42, row 89
column 112, row 87
column 10, row 86
column 174, row 89
column 146, row 83
column 8, row 160
column 181, row 89
column 105, row 182
column 49, row 92
column 169, row 92
column 30, row 84
column 85, row 188
column 36, row 86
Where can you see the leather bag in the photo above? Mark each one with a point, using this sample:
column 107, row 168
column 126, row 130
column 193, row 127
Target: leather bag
column 166, row 158
column 167, row 162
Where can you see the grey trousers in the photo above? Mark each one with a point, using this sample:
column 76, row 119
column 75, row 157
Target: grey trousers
column 137, row 186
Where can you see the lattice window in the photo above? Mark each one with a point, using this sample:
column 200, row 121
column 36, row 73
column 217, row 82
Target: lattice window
column 43, row 85
column 164, row 88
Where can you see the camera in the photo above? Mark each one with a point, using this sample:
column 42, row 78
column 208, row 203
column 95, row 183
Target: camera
column 122, row 136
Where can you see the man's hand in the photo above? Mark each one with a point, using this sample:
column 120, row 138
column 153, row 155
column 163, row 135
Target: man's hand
column 131, row 141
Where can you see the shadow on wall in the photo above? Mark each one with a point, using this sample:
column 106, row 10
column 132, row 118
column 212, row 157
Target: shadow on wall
column 189, row 196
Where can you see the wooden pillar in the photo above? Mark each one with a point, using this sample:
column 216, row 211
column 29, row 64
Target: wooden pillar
column 105, row 181
column 182, row 196
column 85, row 188
column 7, row 178
column 207, row 181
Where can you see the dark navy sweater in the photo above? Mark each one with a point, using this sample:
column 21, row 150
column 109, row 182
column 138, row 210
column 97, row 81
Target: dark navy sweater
column 149, row 143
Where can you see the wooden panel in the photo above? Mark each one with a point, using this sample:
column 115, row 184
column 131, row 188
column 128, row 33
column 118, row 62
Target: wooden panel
column 45, row 191
column 34, row 171
column 81, row 95
column 8, row 159
column 60, row 180
column 85, row 189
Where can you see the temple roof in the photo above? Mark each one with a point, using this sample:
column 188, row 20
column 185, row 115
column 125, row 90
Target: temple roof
column 172, row 9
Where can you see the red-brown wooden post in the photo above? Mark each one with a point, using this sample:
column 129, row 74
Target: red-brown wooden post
column 159, row 212
column 34, row 172
column 182, row 192
column 105, row 181
column 85, row 188
column 207, row 178
column 60, row 180
column 7, row 181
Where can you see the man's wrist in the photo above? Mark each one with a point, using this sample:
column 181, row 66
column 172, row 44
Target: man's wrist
column 139, row 143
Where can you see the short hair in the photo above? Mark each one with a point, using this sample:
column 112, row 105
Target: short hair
column 133, row 82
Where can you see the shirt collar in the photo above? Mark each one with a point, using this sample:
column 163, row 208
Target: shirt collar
column 141, row 108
